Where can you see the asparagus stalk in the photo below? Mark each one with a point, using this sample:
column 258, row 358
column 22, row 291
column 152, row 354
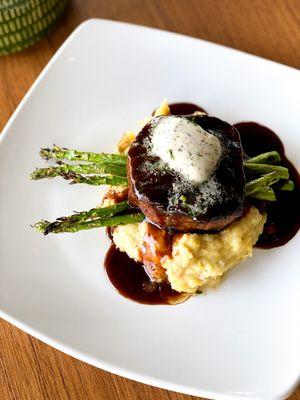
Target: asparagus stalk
column 271, row 157
column 261, row 183
column 59, row 227
column 286, row 186
column 99, row 212
column 260, row 169
column 68, row 224
column 75, row 155
column 61, row 170
column 85, row 216
column 96, row 180
column 267, row 194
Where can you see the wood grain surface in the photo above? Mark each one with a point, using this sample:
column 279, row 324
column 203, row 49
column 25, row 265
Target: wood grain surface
column 30, row 369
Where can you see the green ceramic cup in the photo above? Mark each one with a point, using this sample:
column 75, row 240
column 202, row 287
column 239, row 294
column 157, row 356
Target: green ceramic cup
column 24, row 22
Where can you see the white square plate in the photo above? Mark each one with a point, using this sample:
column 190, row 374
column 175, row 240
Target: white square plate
column 239, row 341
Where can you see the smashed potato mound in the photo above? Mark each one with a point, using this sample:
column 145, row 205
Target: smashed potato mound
column 198, row 261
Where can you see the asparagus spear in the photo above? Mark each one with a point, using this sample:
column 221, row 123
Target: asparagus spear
column 63, row 169
column 286, row 186
column 59, row 227
column 96, row 180
column 260, row 169
column 72, row 222
column 99, row 212
column 75, row 155
column 271, row 157
column 267, row 194
column 261, row 183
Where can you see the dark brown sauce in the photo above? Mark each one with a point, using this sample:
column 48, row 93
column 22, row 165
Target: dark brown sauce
column 184, row 108
column 157, row 244
column 130, row 280
column 109, row 232
column 283, row 216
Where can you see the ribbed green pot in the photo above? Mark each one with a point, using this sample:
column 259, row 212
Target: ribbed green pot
column 24, row 22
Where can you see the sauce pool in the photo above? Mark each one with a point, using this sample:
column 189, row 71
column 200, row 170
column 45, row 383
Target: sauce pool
column 283, row 215
column 130, row 279
column 185, row 108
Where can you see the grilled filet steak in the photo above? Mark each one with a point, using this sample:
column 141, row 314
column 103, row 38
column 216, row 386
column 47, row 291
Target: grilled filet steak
column 170, row 200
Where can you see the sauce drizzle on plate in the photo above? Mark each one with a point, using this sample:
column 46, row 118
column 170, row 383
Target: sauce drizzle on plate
column 130, row 279
column 283, row 215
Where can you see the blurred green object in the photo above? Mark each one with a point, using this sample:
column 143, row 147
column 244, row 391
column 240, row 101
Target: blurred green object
column 24, row 22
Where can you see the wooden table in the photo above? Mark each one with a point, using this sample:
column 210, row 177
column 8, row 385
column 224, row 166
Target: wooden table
column 30, row 369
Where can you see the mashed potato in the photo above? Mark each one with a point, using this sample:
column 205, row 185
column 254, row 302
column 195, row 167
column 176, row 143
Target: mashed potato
column 200, row 260
column 197, row 261
column 129, row 238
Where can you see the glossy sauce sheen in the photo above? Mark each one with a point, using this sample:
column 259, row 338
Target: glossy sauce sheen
column 184, row 108
column 157, row 243
column 283, row 216
column 130, row 278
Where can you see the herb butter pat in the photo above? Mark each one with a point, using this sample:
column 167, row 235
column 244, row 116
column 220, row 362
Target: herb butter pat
column 186, row 148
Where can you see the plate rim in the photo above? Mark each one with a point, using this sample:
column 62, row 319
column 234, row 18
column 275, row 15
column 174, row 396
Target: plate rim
column 135, row 376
